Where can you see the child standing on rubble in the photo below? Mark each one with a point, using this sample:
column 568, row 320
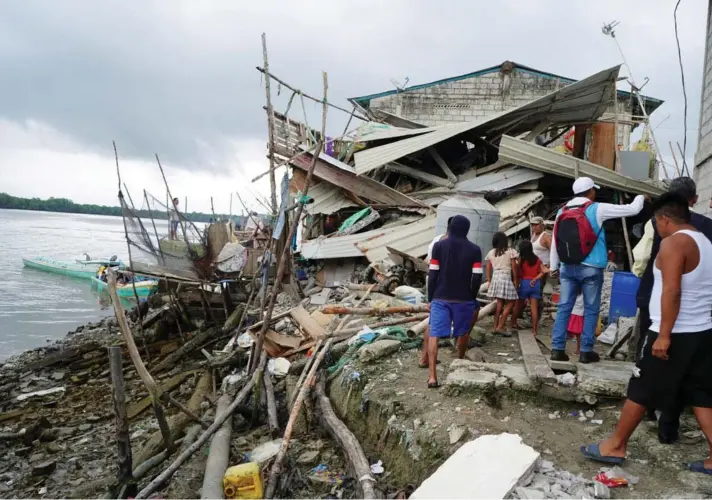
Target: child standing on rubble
column 532, row 270
column 503, row 279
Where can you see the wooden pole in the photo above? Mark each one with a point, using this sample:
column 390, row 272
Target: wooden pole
column 292, row 230
column 277, row 466
column 674, row 158
column 374, row 311
column 219, row 455
column 198, row 444
column 270, row 127
column 350, row 444
column 155, row 230
column 271, row 406
column 123, row 442
column 153, row 389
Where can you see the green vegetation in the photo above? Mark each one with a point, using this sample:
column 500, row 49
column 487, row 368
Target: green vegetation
column 68, row 206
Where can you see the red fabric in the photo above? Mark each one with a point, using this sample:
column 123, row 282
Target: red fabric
column 575, row 327
column 530, row 272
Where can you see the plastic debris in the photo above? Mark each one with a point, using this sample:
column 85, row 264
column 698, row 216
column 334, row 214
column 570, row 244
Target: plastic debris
column 597, row 422
column 566, row 379
column 245, row 341
column 321, row 474
column 265, row 451
column 377, row 468
column 590, row 414
column 279, row 367
column 45, row 392
column 611, row 482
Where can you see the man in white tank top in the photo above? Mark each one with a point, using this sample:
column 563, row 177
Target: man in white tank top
column 676, row 360
column 541, row 240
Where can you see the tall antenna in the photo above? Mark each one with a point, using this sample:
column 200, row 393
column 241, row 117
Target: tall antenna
column 609, row 30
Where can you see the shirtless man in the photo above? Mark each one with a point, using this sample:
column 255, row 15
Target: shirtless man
column 674, row 367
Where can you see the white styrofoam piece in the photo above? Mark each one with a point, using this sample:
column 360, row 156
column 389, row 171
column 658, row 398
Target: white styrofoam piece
column 487, row 467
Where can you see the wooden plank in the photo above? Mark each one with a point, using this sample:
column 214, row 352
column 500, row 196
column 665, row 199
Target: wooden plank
column 286, row 341
column 534, row 361
column 321, row 318
column 308, row 324
column 173, row 382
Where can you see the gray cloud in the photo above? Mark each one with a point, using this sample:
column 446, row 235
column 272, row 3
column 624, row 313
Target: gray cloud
column 178, row 77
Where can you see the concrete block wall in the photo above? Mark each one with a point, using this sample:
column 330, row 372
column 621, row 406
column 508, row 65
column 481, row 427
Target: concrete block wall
column 703, row 157
column 468, row 99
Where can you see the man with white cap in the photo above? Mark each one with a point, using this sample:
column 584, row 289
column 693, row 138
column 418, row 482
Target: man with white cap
column 579, row 244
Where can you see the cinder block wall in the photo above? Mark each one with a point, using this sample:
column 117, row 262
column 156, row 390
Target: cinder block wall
column 703, row 157
column 468, row 99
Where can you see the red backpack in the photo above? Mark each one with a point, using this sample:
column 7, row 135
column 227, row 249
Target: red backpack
column 575, row 238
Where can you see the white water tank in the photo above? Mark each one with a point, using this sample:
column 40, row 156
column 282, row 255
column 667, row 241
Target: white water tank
column 483, row 217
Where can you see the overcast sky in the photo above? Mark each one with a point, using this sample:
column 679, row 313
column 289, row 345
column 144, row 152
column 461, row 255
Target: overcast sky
column 178, row 78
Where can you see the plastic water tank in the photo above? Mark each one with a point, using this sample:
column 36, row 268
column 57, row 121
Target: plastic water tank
column 483, row 217
column 623, row 289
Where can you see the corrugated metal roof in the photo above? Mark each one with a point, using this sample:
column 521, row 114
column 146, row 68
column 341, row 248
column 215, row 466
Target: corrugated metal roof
column 328, row 199
column 517, row 205
column 549, row 161
column 506, row 178
column 340, row 174
column 583, row 101
column 412, row 239
column 374, row 131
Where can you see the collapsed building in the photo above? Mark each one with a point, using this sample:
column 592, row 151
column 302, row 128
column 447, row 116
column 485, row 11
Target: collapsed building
column 499, row 145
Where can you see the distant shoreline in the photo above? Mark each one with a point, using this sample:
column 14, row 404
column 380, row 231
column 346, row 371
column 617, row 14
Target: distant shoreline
column 67, row 206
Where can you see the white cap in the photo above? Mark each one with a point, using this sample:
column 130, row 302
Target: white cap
column 583, row 184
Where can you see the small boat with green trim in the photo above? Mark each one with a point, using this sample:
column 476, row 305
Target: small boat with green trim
column 144, row 287
column 85, row 269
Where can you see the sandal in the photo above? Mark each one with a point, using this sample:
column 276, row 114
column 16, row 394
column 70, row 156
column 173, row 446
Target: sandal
column 433, row 385
column 425, row 365
column 698, row 466
column 593, row 452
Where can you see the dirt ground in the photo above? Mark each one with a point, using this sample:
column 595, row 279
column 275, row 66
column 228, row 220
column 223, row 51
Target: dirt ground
column 432, row 418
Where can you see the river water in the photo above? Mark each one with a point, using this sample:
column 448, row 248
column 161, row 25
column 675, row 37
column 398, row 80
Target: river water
column 38, row 307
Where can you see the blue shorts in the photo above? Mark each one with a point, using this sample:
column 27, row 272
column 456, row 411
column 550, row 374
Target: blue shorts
column 174, row 225
column 526, row 291
column 451, row 318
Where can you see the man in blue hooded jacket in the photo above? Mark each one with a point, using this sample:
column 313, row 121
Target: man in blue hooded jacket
column 454, row 279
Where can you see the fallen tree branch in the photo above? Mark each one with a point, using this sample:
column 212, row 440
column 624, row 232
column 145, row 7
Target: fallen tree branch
column 352, row 448
column 185, row 455
column 153, row 388
column 277, row 466
column 391, row 322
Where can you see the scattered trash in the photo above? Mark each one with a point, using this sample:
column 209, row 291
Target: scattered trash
column 42, row 491
column 279, row 367
column 590, row 414
column 308, row 457
column 601, row 490
column 566, row 379
column 616, row 477
column 597, row 422
column 456, row 432
column 245, row 341
column 377, row 468
column 321, row 474
column 243, row 481
column 611, row 482
column 555, row 415
column 46, row 392
column 265, row 451
column 609, row 334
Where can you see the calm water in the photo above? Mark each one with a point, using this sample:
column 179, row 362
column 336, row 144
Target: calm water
column 36, row 306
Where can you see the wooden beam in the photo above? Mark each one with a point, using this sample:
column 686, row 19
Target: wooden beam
column 534, row 362
column 441, row 163
column 423, row 176
column 537, row 130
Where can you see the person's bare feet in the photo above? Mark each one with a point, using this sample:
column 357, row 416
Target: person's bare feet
column 609, row 448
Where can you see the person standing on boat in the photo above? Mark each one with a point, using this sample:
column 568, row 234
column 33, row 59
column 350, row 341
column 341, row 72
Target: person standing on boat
column 174, row 220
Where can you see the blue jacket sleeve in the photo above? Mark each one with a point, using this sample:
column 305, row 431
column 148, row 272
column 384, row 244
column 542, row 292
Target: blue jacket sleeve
column 477, row 270
column 434, row 271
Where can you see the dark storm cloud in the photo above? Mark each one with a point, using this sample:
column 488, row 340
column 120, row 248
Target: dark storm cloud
column 178, row 77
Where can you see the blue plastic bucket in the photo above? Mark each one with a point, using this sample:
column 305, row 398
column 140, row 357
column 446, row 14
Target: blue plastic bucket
column 623, row 289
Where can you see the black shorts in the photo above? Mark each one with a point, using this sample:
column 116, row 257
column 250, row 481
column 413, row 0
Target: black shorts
column 684, row 378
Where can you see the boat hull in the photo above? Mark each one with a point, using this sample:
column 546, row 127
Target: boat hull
column 72, row 269
column 144, row 288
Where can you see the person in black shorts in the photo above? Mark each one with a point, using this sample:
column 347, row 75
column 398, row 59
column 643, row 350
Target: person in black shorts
column 677, row 356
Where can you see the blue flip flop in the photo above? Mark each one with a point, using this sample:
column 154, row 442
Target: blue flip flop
column 592, row 452
column 698, row 466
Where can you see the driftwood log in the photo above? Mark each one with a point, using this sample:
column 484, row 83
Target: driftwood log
column 193, row 344
column 219, row 455
column 185, row 455
column 352, row 448
column 123, row 443
column 179, row 421
column 271, row 406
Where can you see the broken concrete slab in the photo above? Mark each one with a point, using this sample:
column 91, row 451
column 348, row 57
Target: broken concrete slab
column 490, row 466
column 321, row 298
column 378, row 349
column 534, row 361
column 468, row 379
column 606, row 378
column 529, row 493
column 515, row 373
